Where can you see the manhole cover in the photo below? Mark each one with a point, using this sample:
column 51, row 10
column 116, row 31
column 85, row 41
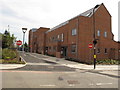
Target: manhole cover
column 60, row 78
column 73, row 82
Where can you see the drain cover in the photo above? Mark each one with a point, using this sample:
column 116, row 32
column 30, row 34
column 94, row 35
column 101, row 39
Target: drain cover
column 60, row 78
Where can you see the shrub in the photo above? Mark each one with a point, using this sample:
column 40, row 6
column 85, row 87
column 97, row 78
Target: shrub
column 8, row 54
column 14, row 61
column 108, row 61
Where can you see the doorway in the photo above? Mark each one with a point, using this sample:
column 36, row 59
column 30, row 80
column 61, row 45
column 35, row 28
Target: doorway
column 64, row 51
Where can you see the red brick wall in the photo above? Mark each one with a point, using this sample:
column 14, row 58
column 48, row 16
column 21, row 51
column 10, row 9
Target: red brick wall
column 84, row 37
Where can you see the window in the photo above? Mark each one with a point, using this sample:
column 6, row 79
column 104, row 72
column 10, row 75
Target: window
column 105, row 34
column 73, row 32
column 62, row 37
column 98, row 33
column 98, row 50
column 58, row 36
column 56, row 39
column 73, row 48
column 105, row 50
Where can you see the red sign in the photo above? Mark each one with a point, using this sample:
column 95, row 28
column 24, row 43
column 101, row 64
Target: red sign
column 90, row 45
column 19, row 42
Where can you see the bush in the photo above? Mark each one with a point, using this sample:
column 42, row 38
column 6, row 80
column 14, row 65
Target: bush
column 108, row 61
column 8, row 54
column 14, row 61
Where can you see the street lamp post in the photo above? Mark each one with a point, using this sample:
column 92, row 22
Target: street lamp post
column 24, row 30
column 95, row 40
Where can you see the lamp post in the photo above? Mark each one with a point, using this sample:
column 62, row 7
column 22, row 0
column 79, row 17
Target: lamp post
column 24, row 30
column 95, row 40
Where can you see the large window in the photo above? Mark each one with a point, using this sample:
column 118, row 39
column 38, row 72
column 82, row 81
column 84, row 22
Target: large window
column 73, row 48
column 58, row 36
column 106, row 51
column 105, row 34
column 62, row 37
column 98, row 33
column 74, row 32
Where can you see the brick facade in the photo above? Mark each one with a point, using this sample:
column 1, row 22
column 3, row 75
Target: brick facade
column 71, row 38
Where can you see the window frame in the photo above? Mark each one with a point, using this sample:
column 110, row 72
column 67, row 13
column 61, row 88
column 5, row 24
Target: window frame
column 98, row 33
column 62, row 37
column 105, row 34
column 74, row 32
column 105, row 50
column 73, row 46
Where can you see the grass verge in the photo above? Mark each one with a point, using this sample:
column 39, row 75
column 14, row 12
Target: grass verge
column 14, row 61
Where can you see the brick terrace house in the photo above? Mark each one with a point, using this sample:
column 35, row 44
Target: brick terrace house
column 71, row 38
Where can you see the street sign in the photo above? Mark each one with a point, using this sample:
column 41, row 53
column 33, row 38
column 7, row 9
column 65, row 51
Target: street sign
column 19, row 42
column 90, row 45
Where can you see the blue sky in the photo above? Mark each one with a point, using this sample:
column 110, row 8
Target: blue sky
column 48, row 13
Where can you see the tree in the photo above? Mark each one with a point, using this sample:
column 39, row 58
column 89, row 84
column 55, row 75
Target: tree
column 7, row 40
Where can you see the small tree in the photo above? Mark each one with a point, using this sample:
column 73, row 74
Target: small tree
column 7, row 40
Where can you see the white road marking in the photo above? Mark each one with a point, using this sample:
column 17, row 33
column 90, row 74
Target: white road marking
column 101, row 84
column 42, row 72
column 72, row 85
column 38, row 64
column 49, row 85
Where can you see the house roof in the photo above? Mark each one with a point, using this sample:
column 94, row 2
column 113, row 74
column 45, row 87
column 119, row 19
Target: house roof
column 87, row 13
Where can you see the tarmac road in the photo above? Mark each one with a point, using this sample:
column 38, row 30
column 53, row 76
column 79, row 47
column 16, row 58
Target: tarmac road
column 41, row 73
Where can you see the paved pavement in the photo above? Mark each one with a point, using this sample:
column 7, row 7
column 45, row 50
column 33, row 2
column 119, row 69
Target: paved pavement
column 60, row 61
column 43, row 71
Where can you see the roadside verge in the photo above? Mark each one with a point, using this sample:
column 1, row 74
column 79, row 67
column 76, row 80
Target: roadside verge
column 12, row 66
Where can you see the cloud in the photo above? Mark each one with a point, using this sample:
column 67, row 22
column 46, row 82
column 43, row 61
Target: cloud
column 47, row 13
column 9, row 12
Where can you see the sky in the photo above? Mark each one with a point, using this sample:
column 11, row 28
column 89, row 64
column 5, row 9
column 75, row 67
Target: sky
column 29, row 14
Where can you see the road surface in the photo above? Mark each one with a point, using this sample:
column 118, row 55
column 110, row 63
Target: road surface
column 40, row 73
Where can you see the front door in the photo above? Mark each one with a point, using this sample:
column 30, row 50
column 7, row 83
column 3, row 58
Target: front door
column 64, row 51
